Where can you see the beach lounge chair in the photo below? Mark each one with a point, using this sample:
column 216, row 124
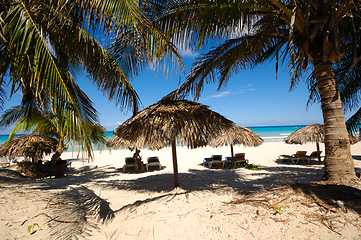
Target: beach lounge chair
column 294, row 158
column 312, row 156
column 214, row 159
column 240, row 158
column 153, row 162
column 4, row 162
column 129, row 162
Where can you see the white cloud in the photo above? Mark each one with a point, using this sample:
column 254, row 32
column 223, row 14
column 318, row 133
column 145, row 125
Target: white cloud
column 222, row 94
column 228, row 93
column 189, row 53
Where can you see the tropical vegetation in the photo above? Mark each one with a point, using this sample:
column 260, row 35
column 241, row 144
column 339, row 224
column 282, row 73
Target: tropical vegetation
column 45, row 43
column 314, row 39
column 58, row 126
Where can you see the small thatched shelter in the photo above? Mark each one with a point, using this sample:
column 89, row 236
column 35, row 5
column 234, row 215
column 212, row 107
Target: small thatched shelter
column 171, row 122
column 237, row 135
column 311, row 133
column 31, row 145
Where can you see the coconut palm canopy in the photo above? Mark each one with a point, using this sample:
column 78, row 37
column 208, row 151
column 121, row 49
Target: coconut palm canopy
column 31, row 145
column 237, row 135
column 171, row 122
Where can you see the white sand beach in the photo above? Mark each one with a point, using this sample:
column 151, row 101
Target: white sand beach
column 97, row 200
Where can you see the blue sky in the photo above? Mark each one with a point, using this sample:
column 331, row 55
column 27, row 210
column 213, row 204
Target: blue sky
column 251, row 98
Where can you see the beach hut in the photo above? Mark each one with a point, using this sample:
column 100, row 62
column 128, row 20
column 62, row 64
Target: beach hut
column 171, row 122
column 31, row 145
column 311, row 133
column 237, row 135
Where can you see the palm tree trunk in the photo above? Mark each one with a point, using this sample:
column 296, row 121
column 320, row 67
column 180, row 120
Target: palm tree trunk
column 56, row 155
column 339, row 165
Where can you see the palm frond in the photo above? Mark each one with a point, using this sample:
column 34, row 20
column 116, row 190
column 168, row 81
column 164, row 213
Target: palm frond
column 34, row 62
column 353, row 123
column 228, row 58
column 85, row 51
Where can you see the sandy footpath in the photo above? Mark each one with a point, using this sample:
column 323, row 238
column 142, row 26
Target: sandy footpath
column 97, row 200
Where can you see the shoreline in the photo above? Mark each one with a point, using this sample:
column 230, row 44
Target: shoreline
column 265, row 155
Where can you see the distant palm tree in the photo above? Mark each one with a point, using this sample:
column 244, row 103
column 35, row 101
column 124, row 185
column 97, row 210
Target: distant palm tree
column 311, row 36
column 59, row 126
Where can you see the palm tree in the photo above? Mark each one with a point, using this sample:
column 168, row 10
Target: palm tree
column 42, row 44
column 57, row 125
column 312, row 37
column 349, row 83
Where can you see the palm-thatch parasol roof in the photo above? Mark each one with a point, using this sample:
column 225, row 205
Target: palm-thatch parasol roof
column 237, row 135
column 119, row 142
column 170, row 122
column 32, row 145
column 311, row 133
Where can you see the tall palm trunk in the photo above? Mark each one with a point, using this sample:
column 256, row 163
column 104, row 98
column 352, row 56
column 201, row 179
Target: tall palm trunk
column 339, row 165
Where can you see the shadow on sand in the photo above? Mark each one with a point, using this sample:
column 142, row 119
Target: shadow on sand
column 89, row 209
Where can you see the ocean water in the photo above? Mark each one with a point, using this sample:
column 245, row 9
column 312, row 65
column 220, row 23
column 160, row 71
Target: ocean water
column 275, row 133
column 268, row 133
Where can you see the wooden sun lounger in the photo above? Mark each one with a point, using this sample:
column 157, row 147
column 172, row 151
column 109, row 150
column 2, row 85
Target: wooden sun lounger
column 129, row 162
column 293, row 158
column 153, row 162
column 214, row 159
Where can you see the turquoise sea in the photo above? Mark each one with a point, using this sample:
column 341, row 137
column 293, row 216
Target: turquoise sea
column 268, row 133
column 275, row 133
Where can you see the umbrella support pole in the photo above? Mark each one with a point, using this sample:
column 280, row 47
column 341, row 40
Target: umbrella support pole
column 233, row 160
column 175, row 164
column 318, row 151
column 136, row 161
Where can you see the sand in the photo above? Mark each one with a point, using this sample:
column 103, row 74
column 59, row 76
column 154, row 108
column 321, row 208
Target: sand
column 97, row 200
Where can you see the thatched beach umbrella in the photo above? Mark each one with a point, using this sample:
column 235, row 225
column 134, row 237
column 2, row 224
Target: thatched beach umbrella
column 171, row 122
column 311, row 133
column 237, row 135
column 119, row 142
column 32, row 145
